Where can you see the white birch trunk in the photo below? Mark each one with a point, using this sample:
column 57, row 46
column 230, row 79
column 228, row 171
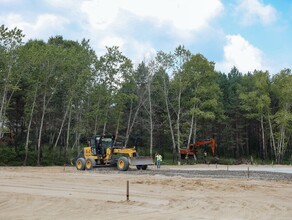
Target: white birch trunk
column 3, row 102
column 41, row 129
column 263, row 138
column 272, row 136
column 68, row 132
column 150, row 118
column 62, row 124
column 117, row 128
column 128, row 125
column 29, row 126
column 191, row 130
column 169, row 118
column 178, row 117
column 131, row 124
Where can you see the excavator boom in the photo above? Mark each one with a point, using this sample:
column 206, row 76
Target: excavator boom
column 210, row 142
column 191, row 150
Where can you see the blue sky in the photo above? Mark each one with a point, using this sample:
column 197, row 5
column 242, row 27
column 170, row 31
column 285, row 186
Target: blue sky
column 248, row 34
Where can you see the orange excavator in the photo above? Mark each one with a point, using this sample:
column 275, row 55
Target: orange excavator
column 192, row 150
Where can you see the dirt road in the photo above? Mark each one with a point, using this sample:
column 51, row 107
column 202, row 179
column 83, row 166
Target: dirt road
column 55, row 193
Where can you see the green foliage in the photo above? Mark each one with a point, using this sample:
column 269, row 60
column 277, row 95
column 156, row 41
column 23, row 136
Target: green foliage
column 56, row 94
column 255, row 101
column 7, row 156
column 31, row 157
column 281, row 118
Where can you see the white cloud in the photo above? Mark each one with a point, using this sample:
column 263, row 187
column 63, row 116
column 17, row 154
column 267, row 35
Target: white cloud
column 134, row 49
column 120, row 23
column 240, row 53
column 182, row 14
column 108, row 22
column 99, row 14
column 111, row 41
column 142, row 52
column 252, row 11
column 73, row 4
column 44, row 26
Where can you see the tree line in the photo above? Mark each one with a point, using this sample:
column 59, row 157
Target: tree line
column 56, row 94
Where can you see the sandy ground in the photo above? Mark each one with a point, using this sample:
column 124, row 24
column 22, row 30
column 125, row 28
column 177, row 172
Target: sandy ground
column 64, row 193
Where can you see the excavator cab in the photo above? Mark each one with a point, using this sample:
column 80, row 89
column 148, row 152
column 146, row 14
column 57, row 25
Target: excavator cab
column 192, row 149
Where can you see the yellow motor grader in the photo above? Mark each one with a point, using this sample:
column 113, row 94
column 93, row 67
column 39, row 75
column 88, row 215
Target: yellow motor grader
column 102, row 152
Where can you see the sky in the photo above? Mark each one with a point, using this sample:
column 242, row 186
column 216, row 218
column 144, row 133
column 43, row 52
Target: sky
column 248, row 34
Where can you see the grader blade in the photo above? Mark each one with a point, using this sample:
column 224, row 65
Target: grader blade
column 141, row 161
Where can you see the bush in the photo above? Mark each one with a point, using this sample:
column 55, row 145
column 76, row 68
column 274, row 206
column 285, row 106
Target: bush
column 8, row 156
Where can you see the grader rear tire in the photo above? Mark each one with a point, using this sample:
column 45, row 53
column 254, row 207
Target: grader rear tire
column 90, row 163
column 80, row 164
column 123, row 164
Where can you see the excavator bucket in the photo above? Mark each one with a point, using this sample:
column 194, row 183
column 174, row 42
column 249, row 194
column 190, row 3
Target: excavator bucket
column 134, row 161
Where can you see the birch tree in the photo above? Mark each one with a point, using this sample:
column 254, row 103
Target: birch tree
column 29, row 55
column 111, row 69
column 256, row 102
column 10, row 40
column 180, row 57
column 281, row 121
column 164, row 64
column 202, row 91
column 44, row 61
column 76, row 75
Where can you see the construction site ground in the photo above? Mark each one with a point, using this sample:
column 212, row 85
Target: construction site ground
column 172, row 192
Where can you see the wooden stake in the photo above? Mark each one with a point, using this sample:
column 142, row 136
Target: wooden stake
column 247, row 172
column 127, row 190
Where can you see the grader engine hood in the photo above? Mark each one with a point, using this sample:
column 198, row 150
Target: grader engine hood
column 136, row 161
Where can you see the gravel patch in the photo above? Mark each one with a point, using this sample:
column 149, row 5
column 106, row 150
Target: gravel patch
column 219, row 174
